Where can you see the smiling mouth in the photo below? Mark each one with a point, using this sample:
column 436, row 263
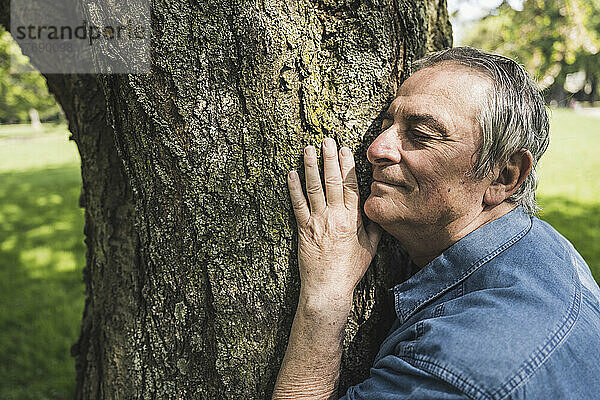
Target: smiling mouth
column 383, row 183
column 399, row 185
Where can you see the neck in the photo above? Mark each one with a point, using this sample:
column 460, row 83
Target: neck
column 424, row 243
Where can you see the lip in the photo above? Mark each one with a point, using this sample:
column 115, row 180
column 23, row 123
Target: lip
column 387, row 184
column 382, row 183
column 399, row 187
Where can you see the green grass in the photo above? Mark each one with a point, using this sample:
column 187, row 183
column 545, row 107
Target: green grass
column 24, row 130
column 21, row 149
column 41, row 257
column 569, row 189
column 42, row 251
column 571, row 166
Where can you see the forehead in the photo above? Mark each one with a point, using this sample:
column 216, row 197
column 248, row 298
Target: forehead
column 453, row 93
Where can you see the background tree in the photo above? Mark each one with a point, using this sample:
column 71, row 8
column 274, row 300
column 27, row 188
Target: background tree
column 21, row 92
column 552, row 39
column 191, row 276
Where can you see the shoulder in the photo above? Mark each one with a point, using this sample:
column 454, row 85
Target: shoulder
column 517, row 321
column 395, row 378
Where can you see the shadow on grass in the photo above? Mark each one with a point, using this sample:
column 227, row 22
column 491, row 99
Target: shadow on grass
column 578, row 222
column 42, row 254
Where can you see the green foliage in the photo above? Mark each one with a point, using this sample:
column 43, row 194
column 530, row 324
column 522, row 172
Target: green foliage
column 21, row 92
column 41, row 258
column 550, row 38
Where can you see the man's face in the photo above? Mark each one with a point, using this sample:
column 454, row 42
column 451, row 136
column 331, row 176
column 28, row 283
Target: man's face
column 423, row 158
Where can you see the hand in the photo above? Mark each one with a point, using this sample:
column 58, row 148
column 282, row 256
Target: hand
column 334, row 247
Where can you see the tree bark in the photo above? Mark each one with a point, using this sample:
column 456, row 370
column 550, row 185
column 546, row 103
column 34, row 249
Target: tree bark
column 191, row 275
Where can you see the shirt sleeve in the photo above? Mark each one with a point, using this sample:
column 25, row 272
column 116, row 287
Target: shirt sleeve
column 394, row 378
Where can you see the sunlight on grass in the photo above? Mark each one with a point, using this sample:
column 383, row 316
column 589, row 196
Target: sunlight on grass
column 9, row 243
column 571, row 166
column 49, row 148
column 42, row 255
column 40, row 232
column 36, row 257
column 44, row 261
column 24, row 130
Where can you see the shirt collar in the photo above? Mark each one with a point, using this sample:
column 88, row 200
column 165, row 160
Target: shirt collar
column 459, row 261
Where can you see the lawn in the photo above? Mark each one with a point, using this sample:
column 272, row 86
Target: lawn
column 42, row 252
column 570, row 183
column 41, row 257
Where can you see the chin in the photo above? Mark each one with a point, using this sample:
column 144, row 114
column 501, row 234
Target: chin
column 375, row 209
column 384, row 212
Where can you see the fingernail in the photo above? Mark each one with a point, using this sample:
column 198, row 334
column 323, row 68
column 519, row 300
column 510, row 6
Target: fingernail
column 292, row 175
column 328, row 142
column 346, row 152
column 310, row 151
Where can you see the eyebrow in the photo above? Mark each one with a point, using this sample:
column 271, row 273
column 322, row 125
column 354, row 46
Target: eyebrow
column 388, row 115
column 419, row 118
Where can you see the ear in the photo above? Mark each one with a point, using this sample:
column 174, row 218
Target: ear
column 509, row 179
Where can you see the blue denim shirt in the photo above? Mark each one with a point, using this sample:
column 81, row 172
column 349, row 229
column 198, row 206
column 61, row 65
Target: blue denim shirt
column 510, row 311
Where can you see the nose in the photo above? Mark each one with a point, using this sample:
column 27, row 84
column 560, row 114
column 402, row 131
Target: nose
column 385, row 149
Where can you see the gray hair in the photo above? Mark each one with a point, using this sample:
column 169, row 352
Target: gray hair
column 513, row 117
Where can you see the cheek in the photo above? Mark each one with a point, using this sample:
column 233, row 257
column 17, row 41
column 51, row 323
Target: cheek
column 429, row 169
column 436, row 183
column 380, row 210
column 442, row 189
column 371, row 208
column 442, row 175
column 466, row 194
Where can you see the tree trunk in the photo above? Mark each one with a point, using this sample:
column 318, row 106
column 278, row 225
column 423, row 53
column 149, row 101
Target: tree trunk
column 191, row 276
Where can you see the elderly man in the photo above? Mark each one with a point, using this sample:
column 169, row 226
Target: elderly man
column 503, row 307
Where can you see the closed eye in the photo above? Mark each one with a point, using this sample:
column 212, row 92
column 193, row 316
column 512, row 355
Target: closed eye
column 425, row 138
column 427, row 122
column 419, row 135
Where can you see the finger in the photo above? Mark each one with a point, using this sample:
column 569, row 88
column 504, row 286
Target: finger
column 314, row 190
column 332, row 174
column 299, row 205
column 374, row 234
column 351, row 194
